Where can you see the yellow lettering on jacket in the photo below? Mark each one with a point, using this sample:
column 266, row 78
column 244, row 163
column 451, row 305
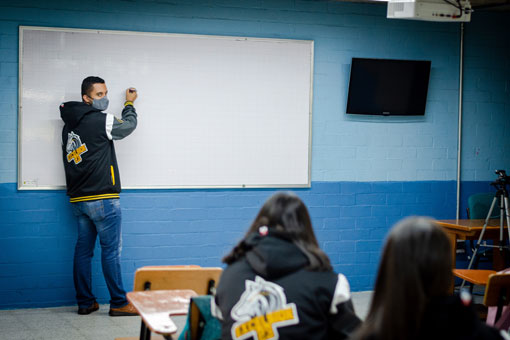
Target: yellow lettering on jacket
column 263, row 325
column 75, row 155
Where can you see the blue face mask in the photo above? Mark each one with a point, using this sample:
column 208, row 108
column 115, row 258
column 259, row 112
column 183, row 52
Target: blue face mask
column 100, row 104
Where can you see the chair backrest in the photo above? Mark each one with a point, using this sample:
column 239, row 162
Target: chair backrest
column 497, row 295
column 479, row 205
column 198, row 279
column 497, row 291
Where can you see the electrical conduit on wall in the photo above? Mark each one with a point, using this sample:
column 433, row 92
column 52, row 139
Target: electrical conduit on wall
column 459, row 143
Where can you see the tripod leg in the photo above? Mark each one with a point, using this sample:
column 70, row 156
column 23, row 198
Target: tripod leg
column 482, row 233
column 507, row 213
column 480, row 238
column 501, row 220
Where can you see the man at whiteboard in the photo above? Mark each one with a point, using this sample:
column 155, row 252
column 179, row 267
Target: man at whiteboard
column 93, row 185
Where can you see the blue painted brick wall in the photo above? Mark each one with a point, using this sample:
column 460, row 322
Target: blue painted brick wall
column 344, row 147
column 367, row 172
column 197, row 227
column 486, row 100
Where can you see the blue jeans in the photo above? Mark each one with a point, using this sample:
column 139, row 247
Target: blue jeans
column 103, row 218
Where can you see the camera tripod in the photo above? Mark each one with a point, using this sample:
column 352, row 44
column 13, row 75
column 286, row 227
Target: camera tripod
column 502, row 194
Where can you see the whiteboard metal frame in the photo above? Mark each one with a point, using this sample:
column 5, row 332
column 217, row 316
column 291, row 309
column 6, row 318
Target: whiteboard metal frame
column 22, row 28
column 20, row 104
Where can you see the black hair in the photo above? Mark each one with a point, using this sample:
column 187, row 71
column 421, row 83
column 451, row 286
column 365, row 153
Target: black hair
column 286, row 213
column 88, row 83
column 416, row 266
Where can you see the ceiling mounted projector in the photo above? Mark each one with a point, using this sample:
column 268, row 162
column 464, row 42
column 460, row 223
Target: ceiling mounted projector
column 430, row 10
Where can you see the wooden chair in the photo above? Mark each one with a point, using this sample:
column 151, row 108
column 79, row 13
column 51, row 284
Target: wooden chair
column 202, row 280
column 497, row 288
column 497, row 294
column 475, row 276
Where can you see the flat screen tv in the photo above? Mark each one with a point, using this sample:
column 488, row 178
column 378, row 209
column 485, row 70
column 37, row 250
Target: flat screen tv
column 388, row 87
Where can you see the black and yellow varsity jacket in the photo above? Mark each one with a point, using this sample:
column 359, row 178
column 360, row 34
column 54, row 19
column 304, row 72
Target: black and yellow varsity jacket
column 270, row 293
column 88, row 152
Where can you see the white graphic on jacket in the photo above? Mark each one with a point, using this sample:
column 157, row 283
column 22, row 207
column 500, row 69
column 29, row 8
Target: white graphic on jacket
column 74, row 148
column 261, row 310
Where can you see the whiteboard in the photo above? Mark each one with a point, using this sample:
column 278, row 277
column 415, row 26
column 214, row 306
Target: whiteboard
column 213, row 111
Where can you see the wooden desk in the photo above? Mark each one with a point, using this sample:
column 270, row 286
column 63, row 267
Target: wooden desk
column 156, row 308
column 470, row 230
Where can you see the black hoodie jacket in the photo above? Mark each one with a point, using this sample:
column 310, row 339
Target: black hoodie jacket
column 88, row 152
column 269, row 294
column 447, row 318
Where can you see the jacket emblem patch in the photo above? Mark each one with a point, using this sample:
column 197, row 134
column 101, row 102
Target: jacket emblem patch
column 75, row 148
column 261, row 310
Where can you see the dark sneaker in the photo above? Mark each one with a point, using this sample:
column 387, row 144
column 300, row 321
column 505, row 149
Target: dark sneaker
column 127, row 310
column 88, row 310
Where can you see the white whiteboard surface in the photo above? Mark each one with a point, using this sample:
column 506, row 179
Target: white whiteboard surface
column 213, row 111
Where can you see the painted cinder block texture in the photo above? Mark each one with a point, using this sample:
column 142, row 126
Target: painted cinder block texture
column 196, row 227
column 345, row 147
column 367, row 172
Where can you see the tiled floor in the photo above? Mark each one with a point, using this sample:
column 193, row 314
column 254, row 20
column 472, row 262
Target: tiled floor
column 62, row 323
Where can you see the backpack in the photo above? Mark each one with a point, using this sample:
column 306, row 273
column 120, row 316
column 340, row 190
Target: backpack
column 200, row 323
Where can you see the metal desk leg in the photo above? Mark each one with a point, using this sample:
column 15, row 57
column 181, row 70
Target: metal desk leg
column 145, row 332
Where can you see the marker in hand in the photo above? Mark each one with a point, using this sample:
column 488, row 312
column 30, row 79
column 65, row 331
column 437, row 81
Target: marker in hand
column 131, row 94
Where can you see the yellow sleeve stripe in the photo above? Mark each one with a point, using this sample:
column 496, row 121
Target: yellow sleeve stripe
column 128, row 103
column 93, row 197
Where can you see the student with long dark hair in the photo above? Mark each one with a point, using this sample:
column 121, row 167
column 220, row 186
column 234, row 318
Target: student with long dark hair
column 412, row 297
column 279, row 284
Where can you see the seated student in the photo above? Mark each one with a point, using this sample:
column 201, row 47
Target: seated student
column 412, row 297
column 279, row 284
